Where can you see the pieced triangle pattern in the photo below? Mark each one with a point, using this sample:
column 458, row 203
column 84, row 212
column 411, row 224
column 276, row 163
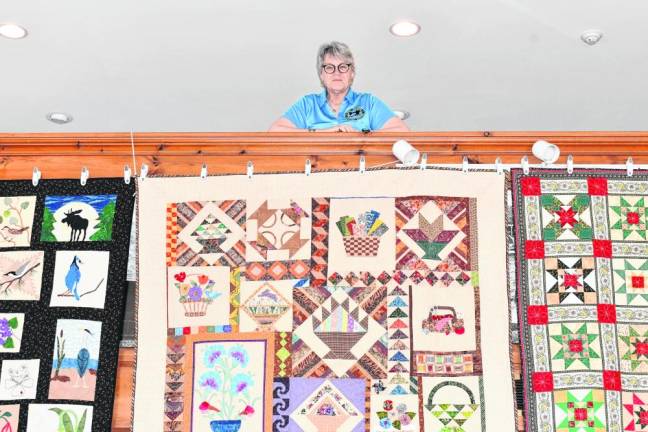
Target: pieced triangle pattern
column 399, row 341
column 453, row 414
column 174, row 385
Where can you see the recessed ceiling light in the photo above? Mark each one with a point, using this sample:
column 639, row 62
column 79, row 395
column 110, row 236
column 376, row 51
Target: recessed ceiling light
column 591, row 37
column 12, row 31
column 404, row 28
column 401, row 114
column 59, row 117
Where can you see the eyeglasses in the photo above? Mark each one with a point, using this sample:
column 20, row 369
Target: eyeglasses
column 342, row 68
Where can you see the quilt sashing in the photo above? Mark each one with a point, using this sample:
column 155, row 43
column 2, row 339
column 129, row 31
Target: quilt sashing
column 581, row 251
column 62, row 308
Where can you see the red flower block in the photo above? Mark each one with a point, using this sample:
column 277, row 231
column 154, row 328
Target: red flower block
column 602, row 248
column 530, row 186
column 537, row 314
column 606, row 313
column 542, row 382
column 580, row 414
column 597, row 186
column 612, row 380
column 534, row 249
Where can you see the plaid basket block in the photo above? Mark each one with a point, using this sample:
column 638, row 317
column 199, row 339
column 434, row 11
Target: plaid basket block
column 361, row 246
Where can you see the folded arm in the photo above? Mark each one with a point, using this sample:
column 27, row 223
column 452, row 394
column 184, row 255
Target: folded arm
column 285, row 125
column 394, row 124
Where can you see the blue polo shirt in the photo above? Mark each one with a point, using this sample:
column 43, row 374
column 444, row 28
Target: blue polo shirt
column 359, row 110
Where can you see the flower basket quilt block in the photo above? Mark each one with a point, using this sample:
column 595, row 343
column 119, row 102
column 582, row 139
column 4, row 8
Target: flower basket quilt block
column 199, row 295
column 230, row 381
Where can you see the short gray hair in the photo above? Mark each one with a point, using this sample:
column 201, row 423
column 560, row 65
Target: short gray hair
column 335, row 49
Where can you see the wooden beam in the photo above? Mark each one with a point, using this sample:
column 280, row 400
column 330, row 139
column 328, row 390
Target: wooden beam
column 105, row 154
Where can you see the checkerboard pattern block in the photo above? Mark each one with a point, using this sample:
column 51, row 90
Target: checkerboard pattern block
column 582, row 275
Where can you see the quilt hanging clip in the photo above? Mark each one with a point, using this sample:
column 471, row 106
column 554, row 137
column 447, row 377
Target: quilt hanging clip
column 464, row 164
column 525, row 165
column 85, row 175
column 307, row 167
column 127, row 174
column 424, row 161
column 143, row 171
column 630, row 166
column 203, row 171
column 361, row 169
column 498, row 166
column 570, row 164
column 36, row 176
column 250, row 169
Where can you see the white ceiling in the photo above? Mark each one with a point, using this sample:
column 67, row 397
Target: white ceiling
column 218, row 65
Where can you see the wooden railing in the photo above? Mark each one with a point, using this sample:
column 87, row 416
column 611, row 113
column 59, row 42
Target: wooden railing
column 63, row 155
column 105, row 154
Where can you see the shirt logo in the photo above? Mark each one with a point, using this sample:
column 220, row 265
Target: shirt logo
column 354, row 113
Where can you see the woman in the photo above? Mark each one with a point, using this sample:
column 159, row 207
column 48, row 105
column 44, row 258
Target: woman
column 338, row 108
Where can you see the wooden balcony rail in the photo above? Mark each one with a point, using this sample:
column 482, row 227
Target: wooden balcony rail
column 105, row 154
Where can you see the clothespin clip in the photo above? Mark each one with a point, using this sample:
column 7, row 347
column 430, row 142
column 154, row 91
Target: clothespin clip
column 250, row 169
column 203, row 171
column 36, row 176
column 424, row 161
column 85, row 175
column 127, row 174
column 143, row 171
column 498, row 166
column 361, row 170
column 464, row 164
column 307, row 167
column 570, row 164
column 629, row 166
column 525, row 165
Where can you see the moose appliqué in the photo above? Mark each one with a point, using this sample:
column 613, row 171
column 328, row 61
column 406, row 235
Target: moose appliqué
column 77, row 224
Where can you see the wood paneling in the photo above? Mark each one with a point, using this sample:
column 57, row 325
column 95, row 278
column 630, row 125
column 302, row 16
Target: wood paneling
column 63, row 155
column 124, row 390
column 105, row 154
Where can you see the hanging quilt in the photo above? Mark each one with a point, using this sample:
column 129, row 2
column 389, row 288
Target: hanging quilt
column 63, row 257
column 583, row 292
column 339, row 301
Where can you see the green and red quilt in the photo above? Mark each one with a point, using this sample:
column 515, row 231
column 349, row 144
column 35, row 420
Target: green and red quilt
column 582, row 277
